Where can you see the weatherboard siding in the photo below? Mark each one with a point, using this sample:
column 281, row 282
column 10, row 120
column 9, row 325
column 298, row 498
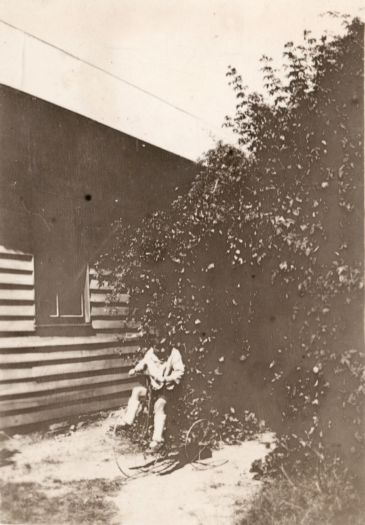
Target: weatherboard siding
column 45, row 379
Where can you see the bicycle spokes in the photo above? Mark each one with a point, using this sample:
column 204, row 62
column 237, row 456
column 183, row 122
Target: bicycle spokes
column 134, row 458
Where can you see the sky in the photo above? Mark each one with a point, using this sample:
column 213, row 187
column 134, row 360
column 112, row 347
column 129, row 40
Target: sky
column 160, row 65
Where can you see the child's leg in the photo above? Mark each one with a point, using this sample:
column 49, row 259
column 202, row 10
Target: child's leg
column 134, row 404
column 159, row 419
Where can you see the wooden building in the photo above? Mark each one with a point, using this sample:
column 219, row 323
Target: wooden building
column 63, row 180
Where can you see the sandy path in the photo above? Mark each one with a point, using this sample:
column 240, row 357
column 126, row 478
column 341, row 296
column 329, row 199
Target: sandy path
column 184, row 497
column 195, row 497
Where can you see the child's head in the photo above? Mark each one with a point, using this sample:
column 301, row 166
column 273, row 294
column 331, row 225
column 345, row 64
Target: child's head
column 162, row 348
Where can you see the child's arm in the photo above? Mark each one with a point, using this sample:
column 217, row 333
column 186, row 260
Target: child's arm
column 178, row 368
column 138, row 367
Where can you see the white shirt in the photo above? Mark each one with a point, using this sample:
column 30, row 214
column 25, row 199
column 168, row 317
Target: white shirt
column 172, row 369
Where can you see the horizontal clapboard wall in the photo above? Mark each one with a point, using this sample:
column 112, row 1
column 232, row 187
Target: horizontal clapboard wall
column 108, row 311
column 47, row 378
column 17, row 308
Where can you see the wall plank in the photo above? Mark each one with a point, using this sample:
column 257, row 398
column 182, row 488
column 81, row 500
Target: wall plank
column 17, row 310
column 21, row 358
column 97, row 311
column 104, row 297
column 17, row 278
column 17, row 326
column 11, row 294
column 29, row 387
column 10, row 374
column 16, row 264
column 64, row 397
column 108, row 324
column 62, row 412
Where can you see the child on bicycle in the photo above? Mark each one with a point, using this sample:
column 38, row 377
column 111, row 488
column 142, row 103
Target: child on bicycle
column 164, row 368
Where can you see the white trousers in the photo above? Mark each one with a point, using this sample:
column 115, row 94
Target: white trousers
column 134, row 406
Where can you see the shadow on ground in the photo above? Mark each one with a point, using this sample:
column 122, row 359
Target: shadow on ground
column 72, row 478
column 78, row 502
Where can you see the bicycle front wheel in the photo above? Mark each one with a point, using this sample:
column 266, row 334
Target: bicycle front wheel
column 130, row 447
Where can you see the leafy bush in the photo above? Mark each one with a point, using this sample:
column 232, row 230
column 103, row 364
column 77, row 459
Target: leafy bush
column 256, row 273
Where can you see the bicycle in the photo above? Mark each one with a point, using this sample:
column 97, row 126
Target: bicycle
column 131, row 445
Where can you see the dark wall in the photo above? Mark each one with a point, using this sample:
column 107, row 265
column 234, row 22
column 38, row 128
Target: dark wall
column 63, row 180
column 46, row 150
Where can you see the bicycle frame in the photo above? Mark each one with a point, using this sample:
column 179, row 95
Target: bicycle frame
column 148, row 401
column 195, row 450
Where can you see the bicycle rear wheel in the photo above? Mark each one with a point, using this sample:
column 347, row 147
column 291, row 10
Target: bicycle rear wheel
column 199, row 443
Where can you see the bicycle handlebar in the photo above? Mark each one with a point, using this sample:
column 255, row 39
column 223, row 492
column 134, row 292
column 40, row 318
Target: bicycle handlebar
column 158, row 383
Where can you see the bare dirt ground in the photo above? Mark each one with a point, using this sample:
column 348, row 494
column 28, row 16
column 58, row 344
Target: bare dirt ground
column 72, row 478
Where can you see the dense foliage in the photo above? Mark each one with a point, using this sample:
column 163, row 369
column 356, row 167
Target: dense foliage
column 256, row 273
